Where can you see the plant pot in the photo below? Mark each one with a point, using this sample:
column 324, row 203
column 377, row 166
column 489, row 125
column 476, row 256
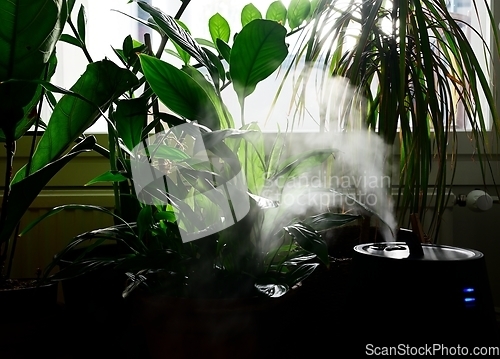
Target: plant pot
column 208, row 328
column 93, row 304
column 94, row 291
column 25, row 306
column 27, row 299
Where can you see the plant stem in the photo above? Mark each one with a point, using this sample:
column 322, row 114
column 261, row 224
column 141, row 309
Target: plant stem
column 246, row 143
column 83, row 47
column 10, row 146
column 12, row 252
column 112, row 163
column 28, row 168
column 181, row 10
column 177, row 16
column 37, row 123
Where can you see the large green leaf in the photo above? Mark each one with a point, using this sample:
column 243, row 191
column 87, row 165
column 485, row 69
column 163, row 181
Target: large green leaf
column 28, row 33
column 30, row 110
column 23, row 192
column 225, row 118
column 180, row 92
column 101, row 83
column 258, row 50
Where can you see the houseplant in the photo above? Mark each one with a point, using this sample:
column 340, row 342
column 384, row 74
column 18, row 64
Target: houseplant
column 230, row 263
column 413, row 65
column 124, row 140
column 29, row 58
column 30, row 34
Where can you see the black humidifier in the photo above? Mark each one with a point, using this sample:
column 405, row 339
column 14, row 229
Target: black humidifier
column 408, row 292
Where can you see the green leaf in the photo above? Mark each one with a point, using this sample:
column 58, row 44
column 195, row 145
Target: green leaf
column 110, row 176
column 180, row 92
column 300, row 273
column 127, row 45
column 177, row 34
column 309, row 239
column 174, row 54
column 144, row 220
column 251, row 154
column 211, row 139
column 249, row 13
column 327, row 220
column 315, row 7
column 130, row 117
column 30, row 110
column 28, row 35
column 168, row 153
column 85, row 207
column 258, row 51
column 70, row 39
column 81, row 23
column 277, row 12
column 168, row 216
column 169, row 119
column 205, row 42
column 218, row 64
column 23, row 192
column 184, row 55
column 298, row 11
column 219, row 28
column 301, row 163
column 130, row 49
column 272, row 290
column 101, row 83
column 224, row 49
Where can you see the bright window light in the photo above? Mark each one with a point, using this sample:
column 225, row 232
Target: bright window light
column 107, row 26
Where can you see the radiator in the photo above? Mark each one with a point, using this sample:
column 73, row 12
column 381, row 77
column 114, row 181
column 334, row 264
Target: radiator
column 37, row 248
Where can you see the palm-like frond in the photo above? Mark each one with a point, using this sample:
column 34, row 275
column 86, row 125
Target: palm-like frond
column 413, row 63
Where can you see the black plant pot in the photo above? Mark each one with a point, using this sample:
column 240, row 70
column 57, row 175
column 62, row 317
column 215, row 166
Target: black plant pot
column 28, row 299
column 96, row 290
column 94, row 306
column 26, row 308
column 181, row 328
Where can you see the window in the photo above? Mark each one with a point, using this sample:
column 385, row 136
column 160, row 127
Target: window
column 106, row 28
column 463, row 10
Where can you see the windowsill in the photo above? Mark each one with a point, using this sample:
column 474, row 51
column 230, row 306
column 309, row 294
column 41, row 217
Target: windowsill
column 87, row 166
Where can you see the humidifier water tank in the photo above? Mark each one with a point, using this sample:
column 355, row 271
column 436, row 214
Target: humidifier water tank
column 440, row 294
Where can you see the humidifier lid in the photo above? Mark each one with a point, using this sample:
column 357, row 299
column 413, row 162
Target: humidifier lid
column 431, row 252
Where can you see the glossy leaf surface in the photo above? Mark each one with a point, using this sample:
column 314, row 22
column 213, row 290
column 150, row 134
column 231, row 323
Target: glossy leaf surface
column 259, row 49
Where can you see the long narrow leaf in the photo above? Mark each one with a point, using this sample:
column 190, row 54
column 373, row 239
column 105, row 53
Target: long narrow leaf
column 24, row 192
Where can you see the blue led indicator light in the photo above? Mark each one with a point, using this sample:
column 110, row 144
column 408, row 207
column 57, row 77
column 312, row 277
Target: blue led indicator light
column 468, row 290
column 469, row 300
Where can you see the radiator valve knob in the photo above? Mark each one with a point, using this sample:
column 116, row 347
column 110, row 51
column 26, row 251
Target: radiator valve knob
column 479, row 201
